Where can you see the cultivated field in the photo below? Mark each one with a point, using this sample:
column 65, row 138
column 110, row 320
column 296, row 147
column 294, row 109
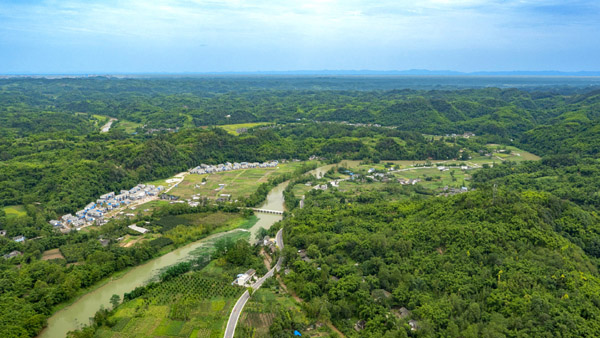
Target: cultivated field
column 237, row 183
column 190, row 305
column 15, row 211
column 52, row 254
column 232, row 128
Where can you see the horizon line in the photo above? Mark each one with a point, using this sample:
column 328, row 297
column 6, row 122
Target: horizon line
column 342, row 72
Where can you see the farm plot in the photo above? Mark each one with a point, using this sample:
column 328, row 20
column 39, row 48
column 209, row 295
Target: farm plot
column 190, row 305
column 52, row 254
column 209, row 220
column 237, row 183
column 15, row 211
column 235, row 129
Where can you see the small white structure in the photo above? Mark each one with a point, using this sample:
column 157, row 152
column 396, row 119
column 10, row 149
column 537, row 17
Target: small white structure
column 19, row 239
column 243, row 278
column 138, row 229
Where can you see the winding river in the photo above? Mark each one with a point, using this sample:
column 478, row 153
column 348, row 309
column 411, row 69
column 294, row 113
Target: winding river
column 79, row 313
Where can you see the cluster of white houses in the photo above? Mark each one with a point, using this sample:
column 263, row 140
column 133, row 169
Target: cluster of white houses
column 94, row 212
column 209, row 169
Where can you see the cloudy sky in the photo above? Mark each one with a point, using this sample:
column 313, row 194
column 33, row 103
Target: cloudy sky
column 137, row 36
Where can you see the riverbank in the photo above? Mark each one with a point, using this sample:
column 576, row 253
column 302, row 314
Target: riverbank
column 78, row 311
column 105, row 288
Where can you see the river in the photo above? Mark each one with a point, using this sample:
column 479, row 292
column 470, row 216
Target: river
column 80, row 312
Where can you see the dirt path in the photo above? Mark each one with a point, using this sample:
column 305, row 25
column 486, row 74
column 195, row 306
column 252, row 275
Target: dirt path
column 266, row 258
column 107, row 126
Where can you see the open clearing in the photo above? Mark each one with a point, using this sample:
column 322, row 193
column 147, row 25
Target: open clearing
column 52, row 254
column 233, row 128
column 15, row 211
column 127, row 126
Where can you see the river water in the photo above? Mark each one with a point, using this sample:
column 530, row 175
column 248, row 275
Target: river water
column 79, row 313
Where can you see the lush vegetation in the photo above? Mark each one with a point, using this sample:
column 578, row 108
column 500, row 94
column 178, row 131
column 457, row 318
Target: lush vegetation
column 516, row 257
column 31, row 291
column 182, row 306
column 487, row 263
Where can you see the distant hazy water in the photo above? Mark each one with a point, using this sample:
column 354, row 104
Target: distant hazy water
column 390, row 82
column 186, row 83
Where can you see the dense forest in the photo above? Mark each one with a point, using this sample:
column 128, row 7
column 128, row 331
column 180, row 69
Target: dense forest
column 493, row 264
column 516, row 257
column 31, row 106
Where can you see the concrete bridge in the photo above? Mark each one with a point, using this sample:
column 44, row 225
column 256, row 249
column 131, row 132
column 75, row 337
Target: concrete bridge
column 267, row 211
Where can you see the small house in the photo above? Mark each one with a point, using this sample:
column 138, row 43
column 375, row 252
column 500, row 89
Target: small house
column 360, row 325
column 55, row 223
column 19, row 239
column 12, row 254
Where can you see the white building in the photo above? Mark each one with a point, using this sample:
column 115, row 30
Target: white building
column 138, row 229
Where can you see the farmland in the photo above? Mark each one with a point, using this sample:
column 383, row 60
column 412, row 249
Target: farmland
column 127, row 126
column 272, row 304
column 233, row 128
column 52, row 254
column 190, row 305
column 403, row 179
column 15, row 211
column 237, row 183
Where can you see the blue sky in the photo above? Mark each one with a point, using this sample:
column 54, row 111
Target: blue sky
column 138, row 36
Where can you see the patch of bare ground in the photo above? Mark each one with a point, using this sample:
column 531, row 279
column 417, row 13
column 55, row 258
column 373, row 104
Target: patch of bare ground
column 52, row 254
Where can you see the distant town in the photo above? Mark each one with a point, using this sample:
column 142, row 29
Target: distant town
column 209, row 169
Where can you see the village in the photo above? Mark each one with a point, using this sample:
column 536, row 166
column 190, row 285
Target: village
column 94, row 213
column 209, row 169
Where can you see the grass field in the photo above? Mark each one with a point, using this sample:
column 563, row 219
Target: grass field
column 127, row 126
column 232, row 128
column 516, row 154
column 148, row 205
column 14, row 211
column 101, row 119
column 213, row 220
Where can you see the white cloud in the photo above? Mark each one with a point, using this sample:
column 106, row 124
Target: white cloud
column 354, row 33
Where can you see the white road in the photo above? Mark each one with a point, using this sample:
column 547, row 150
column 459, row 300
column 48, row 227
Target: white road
column 239, row 305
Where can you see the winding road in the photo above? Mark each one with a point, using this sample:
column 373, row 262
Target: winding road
column 241, row 302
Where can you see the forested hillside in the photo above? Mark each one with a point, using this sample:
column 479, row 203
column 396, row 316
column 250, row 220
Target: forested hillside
column 65, row 172
column 516, row 257
column 171, row 103
column 493, row 264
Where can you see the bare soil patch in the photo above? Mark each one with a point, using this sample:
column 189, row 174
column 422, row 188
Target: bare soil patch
column 52, row 254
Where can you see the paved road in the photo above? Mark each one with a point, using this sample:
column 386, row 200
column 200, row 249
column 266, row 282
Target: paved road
column 235, row 314
column 239, row 305
column 279, row 239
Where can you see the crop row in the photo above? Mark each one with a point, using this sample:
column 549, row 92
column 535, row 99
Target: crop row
column 192, row 287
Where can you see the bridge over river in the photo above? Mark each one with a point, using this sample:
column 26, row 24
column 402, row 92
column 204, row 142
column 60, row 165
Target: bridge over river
column 267, row 211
